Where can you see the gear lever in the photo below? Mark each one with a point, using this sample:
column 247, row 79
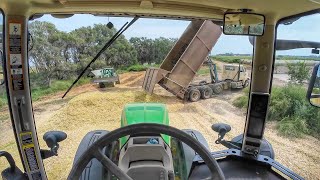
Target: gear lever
column 222, row 129
column 52, row 138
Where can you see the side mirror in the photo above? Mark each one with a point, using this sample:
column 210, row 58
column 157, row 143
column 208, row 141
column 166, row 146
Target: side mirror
column 243, row 23
column 313, row 93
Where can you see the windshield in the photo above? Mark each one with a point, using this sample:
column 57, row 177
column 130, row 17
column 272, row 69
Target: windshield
column 153, row 61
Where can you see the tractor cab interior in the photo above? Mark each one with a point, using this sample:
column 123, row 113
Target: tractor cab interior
column 146, row 146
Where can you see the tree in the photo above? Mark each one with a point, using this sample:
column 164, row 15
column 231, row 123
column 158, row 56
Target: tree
column 47, row 53
column 88, row 41
column 144, row 48
column 162, row 47
column 152, row 50
column 298, row 72
column 62, row 55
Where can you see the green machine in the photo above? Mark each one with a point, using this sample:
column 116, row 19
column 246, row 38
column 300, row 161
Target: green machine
column 134, row 113
column 105, row 77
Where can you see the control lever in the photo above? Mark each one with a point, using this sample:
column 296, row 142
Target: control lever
column 52, row 138
column 222, row 129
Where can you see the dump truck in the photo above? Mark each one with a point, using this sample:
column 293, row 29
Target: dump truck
column 234, row 76
column 105, row 77
column 180, row 66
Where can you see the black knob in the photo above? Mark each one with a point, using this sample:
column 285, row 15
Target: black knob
column 52, row 138
column 221, row 128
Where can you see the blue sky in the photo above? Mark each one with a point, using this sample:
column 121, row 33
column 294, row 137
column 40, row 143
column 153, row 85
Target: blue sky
column 303, row 29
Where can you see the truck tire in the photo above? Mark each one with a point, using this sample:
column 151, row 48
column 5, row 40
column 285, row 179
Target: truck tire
column 204, row 82
column 194, row 95
column 246, row 83
column 112, row 84
column 206, row 92
column 102, row 85
column 216, row 88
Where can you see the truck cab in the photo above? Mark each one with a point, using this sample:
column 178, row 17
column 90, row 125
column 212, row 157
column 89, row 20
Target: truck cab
column 234, row 72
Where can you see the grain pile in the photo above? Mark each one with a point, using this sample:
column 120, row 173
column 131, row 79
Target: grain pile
column 91, row 111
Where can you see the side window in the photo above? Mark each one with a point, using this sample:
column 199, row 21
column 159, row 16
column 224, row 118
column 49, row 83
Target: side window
column 290, row 112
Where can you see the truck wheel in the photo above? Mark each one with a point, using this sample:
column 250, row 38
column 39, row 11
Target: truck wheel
column 206, row 92
column 217, row 88
column 203, row 82
column 246, row 83
column 194, row 95
column 112, row 84
column 102, row 85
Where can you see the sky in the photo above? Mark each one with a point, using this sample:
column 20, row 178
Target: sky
column 150, row 28
column 303, row 29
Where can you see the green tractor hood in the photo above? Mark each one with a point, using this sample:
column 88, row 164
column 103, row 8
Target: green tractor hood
column 134, row 113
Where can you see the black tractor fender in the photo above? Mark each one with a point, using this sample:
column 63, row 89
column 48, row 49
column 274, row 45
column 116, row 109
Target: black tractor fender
column 94, row 169
column 187, row 153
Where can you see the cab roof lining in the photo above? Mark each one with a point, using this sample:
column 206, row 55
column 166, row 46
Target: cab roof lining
column 168, row 9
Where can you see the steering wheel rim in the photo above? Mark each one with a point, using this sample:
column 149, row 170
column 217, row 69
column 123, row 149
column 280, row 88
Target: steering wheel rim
column 95, row 150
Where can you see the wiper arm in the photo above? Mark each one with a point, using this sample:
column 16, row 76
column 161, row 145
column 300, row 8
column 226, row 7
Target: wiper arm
column 105, row 47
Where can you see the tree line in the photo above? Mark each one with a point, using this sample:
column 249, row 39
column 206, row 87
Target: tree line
column 55, row 54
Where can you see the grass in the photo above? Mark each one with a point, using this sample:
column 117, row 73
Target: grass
column 39, row 92
column 241, row 102
column 236, row 58
column 203, row 70
column 285, row 57
column 289, row 107
column 231, row 59
column 135, row 68
column 56, row 86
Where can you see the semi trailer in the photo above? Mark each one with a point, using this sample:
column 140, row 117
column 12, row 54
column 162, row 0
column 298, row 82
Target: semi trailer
column 180, row 66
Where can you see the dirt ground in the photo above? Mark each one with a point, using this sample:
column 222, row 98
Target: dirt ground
column 88, row 108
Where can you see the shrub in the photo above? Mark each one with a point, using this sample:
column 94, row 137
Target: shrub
column 230, row 59
column 289, row 107
column 298, row 72
column 137, row 67
column 241, row 102
column 56, row 86
column 3, row 101
column 293, row 127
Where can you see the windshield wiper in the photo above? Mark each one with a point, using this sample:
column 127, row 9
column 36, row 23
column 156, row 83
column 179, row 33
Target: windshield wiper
column 105, row 47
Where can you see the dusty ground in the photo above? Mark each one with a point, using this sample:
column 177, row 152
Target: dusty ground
column 87, row 108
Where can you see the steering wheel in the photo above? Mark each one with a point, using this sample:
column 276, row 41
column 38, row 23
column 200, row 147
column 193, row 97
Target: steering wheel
column 95, row 150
